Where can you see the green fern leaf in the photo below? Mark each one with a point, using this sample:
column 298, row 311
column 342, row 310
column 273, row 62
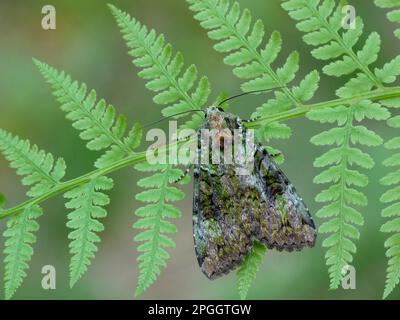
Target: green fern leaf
column 18, row 247
column 87, row 202
column 153, row 220
column 41, row 173
column 39, row 169
column 96, row 120
column 249, row 268
column 341, row 195
column 390, row 71
column 392, row 198
column 394, row 14
column 322, row 21
column 242, row 42
column 175, row 87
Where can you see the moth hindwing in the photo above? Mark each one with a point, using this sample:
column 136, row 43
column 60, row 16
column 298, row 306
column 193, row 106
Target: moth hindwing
column 231, row 209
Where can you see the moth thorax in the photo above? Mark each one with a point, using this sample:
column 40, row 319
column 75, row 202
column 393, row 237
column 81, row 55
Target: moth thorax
column 224, row 138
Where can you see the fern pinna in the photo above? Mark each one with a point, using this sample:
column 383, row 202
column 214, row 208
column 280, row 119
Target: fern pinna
column 153, row 219
column 250, row 266
column 182, row 93
column 87, row 202
column 41, row 173
column 392, row 197
column 164, row 72
column 243, row 43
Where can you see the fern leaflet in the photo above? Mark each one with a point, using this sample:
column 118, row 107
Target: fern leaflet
column 87, row 202
column 392, row 197
column 41, row 173
column 18, row 247
column 249, row 268
column 242, row 41
column 152, row 219
column 394, row 14
column 175, row 87
column 96, row 119
column 39, row 169
column 322, row 22
column 342, row 195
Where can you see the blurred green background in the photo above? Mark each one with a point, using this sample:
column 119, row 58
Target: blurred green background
column 87, row 44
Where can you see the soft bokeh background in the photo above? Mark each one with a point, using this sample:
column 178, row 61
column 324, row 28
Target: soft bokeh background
column 87, row 44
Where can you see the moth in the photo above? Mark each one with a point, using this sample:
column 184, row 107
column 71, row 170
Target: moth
column 231, row 210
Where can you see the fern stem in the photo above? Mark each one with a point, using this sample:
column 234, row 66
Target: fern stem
column 71, row 184
column 375, row 95
column 295, row 113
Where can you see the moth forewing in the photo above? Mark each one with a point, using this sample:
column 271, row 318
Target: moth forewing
column 236, row 203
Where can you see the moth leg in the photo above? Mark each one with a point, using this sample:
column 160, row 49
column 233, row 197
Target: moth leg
column 276, row 155
column 273, row 155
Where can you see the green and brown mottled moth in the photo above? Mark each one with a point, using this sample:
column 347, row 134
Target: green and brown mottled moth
column 231, row 210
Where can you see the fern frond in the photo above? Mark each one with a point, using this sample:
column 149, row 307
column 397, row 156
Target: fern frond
column 392, row 197
column 342, row 196
column 38, row 168
column 242, row 41
column 394, row 14
column 153, row 220
column 249, row 268
column 18, row 247
column 87, row 202
column 176, row 87
column 96, row 120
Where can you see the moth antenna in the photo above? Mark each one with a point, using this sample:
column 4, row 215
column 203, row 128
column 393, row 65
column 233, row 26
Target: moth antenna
column 171, row 116
column 246, row 93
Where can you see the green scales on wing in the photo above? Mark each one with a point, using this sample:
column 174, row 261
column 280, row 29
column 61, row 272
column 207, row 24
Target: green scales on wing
column 231, row 210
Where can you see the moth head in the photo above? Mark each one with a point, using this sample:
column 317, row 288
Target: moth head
column 215, row 116
column 213, row 110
